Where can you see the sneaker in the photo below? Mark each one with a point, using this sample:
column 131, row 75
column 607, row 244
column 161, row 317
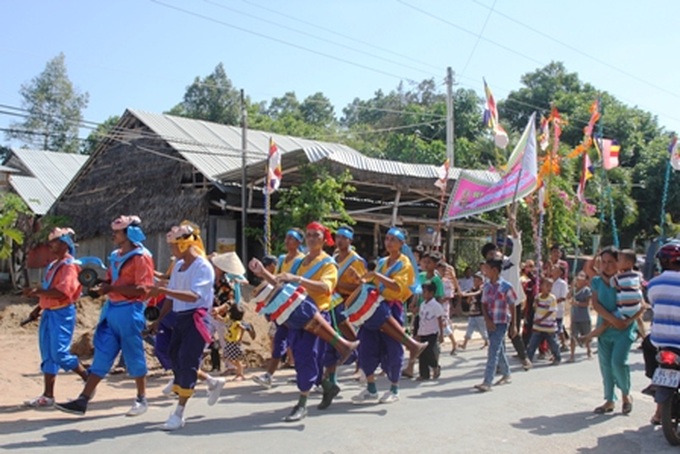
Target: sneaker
column 389, row 398
column 365, row 397
column 167, row 390
column 526, row 364
column 40, row 402
column 215, row 389
column 296, row 414
column 174, row 422
column 75, row 407
column 139, row 407
column 317, row 389
column 264, row 380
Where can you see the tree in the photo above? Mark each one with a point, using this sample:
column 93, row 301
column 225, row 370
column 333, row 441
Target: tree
column 319, row 195
column 54, row 109
column 101, row 132
column 212, row 98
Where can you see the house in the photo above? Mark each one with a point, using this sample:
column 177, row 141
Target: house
column 166, row 169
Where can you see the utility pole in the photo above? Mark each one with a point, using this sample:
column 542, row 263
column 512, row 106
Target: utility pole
column 449, row 116
column 244, row 178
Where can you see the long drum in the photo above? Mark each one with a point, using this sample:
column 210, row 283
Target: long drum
column 362, row 304
column 276, row 304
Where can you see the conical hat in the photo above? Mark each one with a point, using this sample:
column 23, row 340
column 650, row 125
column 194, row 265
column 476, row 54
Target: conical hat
column 229, row 263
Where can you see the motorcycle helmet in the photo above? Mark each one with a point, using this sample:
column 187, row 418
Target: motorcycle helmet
column 669, row 255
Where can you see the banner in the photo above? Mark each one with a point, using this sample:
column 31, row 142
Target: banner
column 472, row 195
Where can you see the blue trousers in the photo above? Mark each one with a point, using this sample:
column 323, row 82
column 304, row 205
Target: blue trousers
column 163, row 337
column 377, row 348
column 186, row 351
column 54, row 338
column 307, row 347
column 331, row 356
column 280, row 342
column 496, row 355
column 612, row 353
column 120, row 328
column 539, row 336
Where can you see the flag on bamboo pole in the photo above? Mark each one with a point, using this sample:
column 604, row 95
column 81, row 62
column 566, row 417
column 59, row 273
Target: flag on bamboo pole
column 609, row 150
column 443, row 175
column 674, row 153
column 491, row 119
column 274, row 173
column 476, row 193
column 587, row 132
column 586, row 174
column 544, row 138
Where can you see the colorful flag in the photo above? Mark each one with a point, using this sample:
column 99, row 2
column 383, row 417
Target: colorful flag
column 594, row 116
column 443, row 175
column 475, row 194
column 675, row 153
column 491, row 119
column 586, row 174
column 544, row 139
column 274, row 173
column 609, row 150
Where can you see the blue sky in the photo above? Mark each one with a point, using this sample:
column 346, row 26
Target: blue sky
column 142, row 54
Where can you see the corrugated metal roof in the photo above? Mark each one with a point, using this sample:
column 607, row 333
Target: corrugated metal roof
column 38, row 198
column 54, row 170
column 8, row 169
column 215, row 150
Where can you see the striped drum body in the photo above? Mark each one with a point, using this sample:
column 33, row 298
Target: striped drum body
column 362, row 304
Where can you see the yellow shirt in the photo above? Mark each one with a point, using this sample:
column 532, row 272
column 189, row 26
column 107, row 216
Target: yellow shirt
column 286, row 266
column 404, row 277
column 328, row 274
column 234, row 332
column 357, row 265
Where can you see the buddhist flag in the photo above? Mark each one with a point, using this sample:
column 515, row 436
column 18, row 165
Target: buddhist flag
column 274, row 173
column 586, row 174
column 491, row 119
column 674, row 153
column 443, row 175
column 609, row 150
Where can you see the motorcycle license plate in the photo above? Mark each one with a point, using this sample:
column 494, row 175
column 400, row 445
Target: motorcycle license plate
column 666, row 377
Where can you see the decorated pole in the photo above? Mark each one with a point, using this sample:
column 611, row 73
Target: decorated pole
column 664, row 199
column 267, row 211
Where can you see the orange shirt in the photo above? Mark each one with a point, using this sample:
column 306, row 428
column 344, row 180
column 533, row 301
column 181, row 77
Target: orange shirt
column 137, row 270
column 66, row 281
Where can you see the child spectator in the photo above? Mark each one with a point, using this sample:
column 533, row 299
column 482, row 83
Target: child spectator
column 233, row 350
column 560, row 290
column 450, row 283
column 581, row 324
column 476, row 318
column 430, row 330
column 545, row 321
column 629, row 297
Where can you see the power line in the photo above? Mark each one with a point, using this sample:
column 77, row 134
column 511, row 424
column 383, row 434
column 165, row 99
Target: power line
column 271, row 38
column 479, row 36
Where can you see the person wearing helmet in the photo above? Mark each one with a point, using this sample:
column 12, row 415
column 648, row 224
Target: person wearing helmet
column 663, row 293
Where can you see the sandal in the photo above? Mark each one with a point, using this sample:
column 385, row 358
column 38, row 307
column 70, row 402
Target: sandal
column 655, row 421
column 602, row 409
column 627, row 407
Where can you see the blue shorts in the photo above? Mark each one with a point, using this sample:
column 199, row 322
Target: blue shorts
column 54, row 338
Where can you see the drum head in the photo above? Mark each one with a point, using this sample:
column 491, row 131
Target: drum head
column 88, row 277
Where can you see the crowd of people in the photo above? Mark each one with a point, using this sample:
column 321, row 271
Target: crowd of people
column 331, row 310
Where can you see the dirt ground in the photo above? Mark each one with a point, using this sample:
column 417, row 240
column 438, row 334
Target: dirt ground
column 21, row 379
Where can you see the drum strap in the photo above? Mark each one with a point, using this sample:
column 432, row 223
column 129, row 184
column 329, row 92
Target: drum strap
column 313, row 270
column 51, row 272
column 393, row 269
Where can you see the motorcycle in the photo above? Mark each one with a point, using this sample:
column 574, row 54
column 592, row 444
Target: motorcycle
column 666, row 379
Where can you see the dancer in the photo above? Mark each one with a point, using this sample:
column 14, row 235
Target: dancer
column 308, row 325
column 191, row 290
column 122, row 317
column 57, row 295
column 382, row 335
column 345, row 258
column 293, row 242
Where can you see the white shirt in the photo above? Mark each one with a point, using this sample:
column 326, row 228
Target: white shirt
column 560, row 289
column 466, row 284
column 512, row 274
column 430, row 312
column 198, row 278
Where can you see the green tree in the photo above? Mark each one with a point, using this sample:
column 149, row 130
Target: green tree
column 212, row 98
column 54, row 109
column 100, row 133
column 319, row 197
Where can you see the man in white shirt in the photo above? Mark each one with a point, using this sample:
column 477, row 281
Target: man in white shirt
column 560, row 290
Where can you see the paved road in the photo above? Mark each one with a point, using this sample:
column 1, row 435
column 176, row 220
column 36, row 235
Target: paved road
column 548, row 408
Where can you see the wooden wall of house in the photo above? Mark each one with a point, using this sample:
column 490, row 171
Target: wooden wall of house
column 130, row 179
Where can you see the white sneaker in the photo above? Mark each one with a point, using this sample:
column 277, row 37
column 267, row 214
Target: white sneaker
column 138, row 408
column 365, row 397
column 174, row 422
column 215, row 389
column 389, row 397
column 264, row 380
column 317, row 389
column 167, row 390
column 40, row 402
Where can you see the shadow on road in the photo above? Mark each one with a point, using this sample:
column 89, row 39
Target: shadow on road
column 562, row 424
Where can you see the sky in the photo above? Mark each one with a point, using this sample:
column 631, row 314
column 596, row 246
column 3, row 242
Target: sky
column 142, row 54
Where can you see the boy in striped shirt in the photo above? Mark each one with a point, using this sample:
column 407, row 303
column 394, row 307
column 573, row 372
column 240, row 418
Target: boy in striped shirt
column 545, row 322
